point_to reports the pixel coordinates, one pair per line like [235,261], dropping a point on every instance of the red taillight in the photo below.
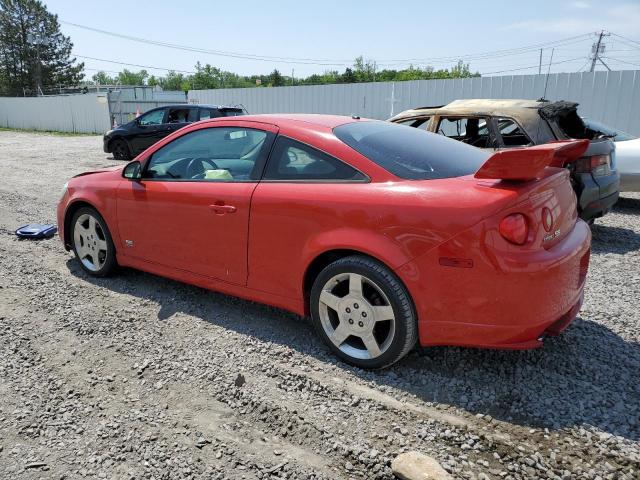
[514,228]
[599,165]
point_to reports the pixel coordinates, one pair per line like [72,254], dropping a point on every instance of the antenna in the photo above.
[546,80]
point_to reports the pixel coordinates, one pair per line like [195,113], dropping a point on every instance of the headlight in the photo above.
[64,190]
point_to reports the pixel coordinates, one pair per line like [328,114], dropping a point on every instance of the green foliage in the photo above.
[207,76]
[33,52]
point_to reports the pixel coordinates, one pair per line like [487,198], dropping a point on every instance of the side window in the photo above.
[211,154]
[178,115]
[471,130]
[511,133]
[193,115]
[415,122]
[152,118]
[292,160]
[207,113]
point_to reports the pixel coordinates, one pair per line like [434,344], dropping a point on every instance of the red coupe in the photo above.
[382,233]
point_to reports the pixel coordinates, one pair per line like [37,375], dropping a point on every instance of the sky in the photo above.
[312,37]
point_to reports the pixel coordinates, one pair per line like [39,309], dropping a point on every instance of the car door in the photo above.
[179,117]
[147,130]
[190,210]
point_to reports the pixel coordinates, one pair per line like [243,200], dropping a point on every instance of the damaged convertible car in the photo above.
[497,124]
[385,235]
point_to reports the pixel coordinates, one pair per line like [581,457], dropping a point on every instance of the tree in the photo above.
[348,76]
[125,77]
[276,79]
[101,78]
[34,54]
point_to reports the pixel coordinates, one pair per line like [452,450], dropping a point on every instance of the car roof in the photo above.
[481,106]
[316,120]
[201,105]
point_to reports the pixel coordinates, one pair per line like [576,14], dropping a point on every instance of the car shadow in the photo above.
[607,239]
[571,381]
[628,205]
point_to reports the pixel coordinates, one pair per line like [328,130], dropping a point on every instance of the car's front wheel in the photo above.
[120,150]
[363,312]
[92,243]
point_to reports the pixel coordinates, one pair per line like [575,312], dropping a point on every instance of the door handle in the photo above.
[221,208]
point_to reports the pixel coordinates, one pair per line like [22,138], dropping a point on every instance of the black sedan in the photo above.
[128,140]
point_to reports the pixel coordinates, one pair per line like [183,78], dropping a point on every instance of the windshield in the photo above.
[616,135]
[411,153]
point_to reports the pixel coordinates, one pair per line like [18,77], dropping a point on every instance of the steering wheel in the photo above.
[195,170]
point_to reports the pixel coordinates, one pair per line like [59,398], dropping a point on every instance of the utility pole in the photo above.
[292,77]
[596,49]
[540,64]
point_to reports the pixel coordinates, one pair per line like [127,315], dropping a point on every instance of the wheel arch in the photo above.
[327,257]
[72,208]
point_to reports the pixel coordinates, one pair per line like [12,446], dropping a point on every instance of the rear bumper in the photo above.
[510,302]
[596,196]
[599,207]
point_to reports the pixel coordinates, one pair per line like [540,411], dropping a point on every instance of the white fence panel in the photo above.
[65,113]
[610,97]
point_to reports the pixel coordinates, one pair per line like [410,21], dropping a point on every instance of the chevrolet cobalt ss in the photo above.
[384,234]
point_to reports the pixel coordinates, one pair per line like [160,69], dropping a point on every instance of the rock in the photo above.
[239,381]
[418,466]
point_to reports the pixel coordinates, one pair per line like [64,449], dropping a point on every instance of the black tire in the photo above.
[105,262]
[120,149]
[406,329]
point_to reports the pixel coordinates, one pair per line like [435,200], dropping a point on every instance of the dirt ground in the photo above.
[139,377]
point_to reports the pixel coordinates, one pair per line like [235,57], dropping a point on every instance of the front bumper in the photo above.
[505,303]
[105,144]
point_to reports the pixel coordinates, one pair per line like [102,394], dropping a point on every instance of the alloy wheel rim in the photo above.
[90,242]
[357,316]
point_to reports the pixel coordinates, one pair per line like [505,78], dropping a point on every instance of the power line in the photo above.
[535,66]
[625,38]
[133,64]
[507,52]
[222,53]
[330,62]
[622,61]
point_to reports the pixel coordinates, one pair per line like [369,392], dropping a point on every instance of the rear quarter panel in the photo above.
[293,223]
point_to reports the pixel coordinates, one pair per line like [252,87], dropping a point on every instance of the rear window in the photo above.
[411,153]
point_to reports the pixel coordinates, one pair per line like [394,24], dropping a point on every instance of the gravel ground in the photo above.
[138,377]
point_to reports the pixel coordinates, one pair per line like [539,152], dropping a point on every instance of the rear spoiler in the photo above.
[524,164]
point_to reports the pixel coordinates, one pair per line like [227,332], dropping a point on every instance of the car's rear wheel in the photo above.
[363,312]
[92,243]
[120,150]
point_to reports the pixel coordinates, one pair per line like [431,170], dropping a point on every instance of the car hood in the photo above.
[114,168]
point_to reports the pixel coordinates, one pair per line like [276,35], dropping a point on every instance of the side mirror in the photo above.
[133,170]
